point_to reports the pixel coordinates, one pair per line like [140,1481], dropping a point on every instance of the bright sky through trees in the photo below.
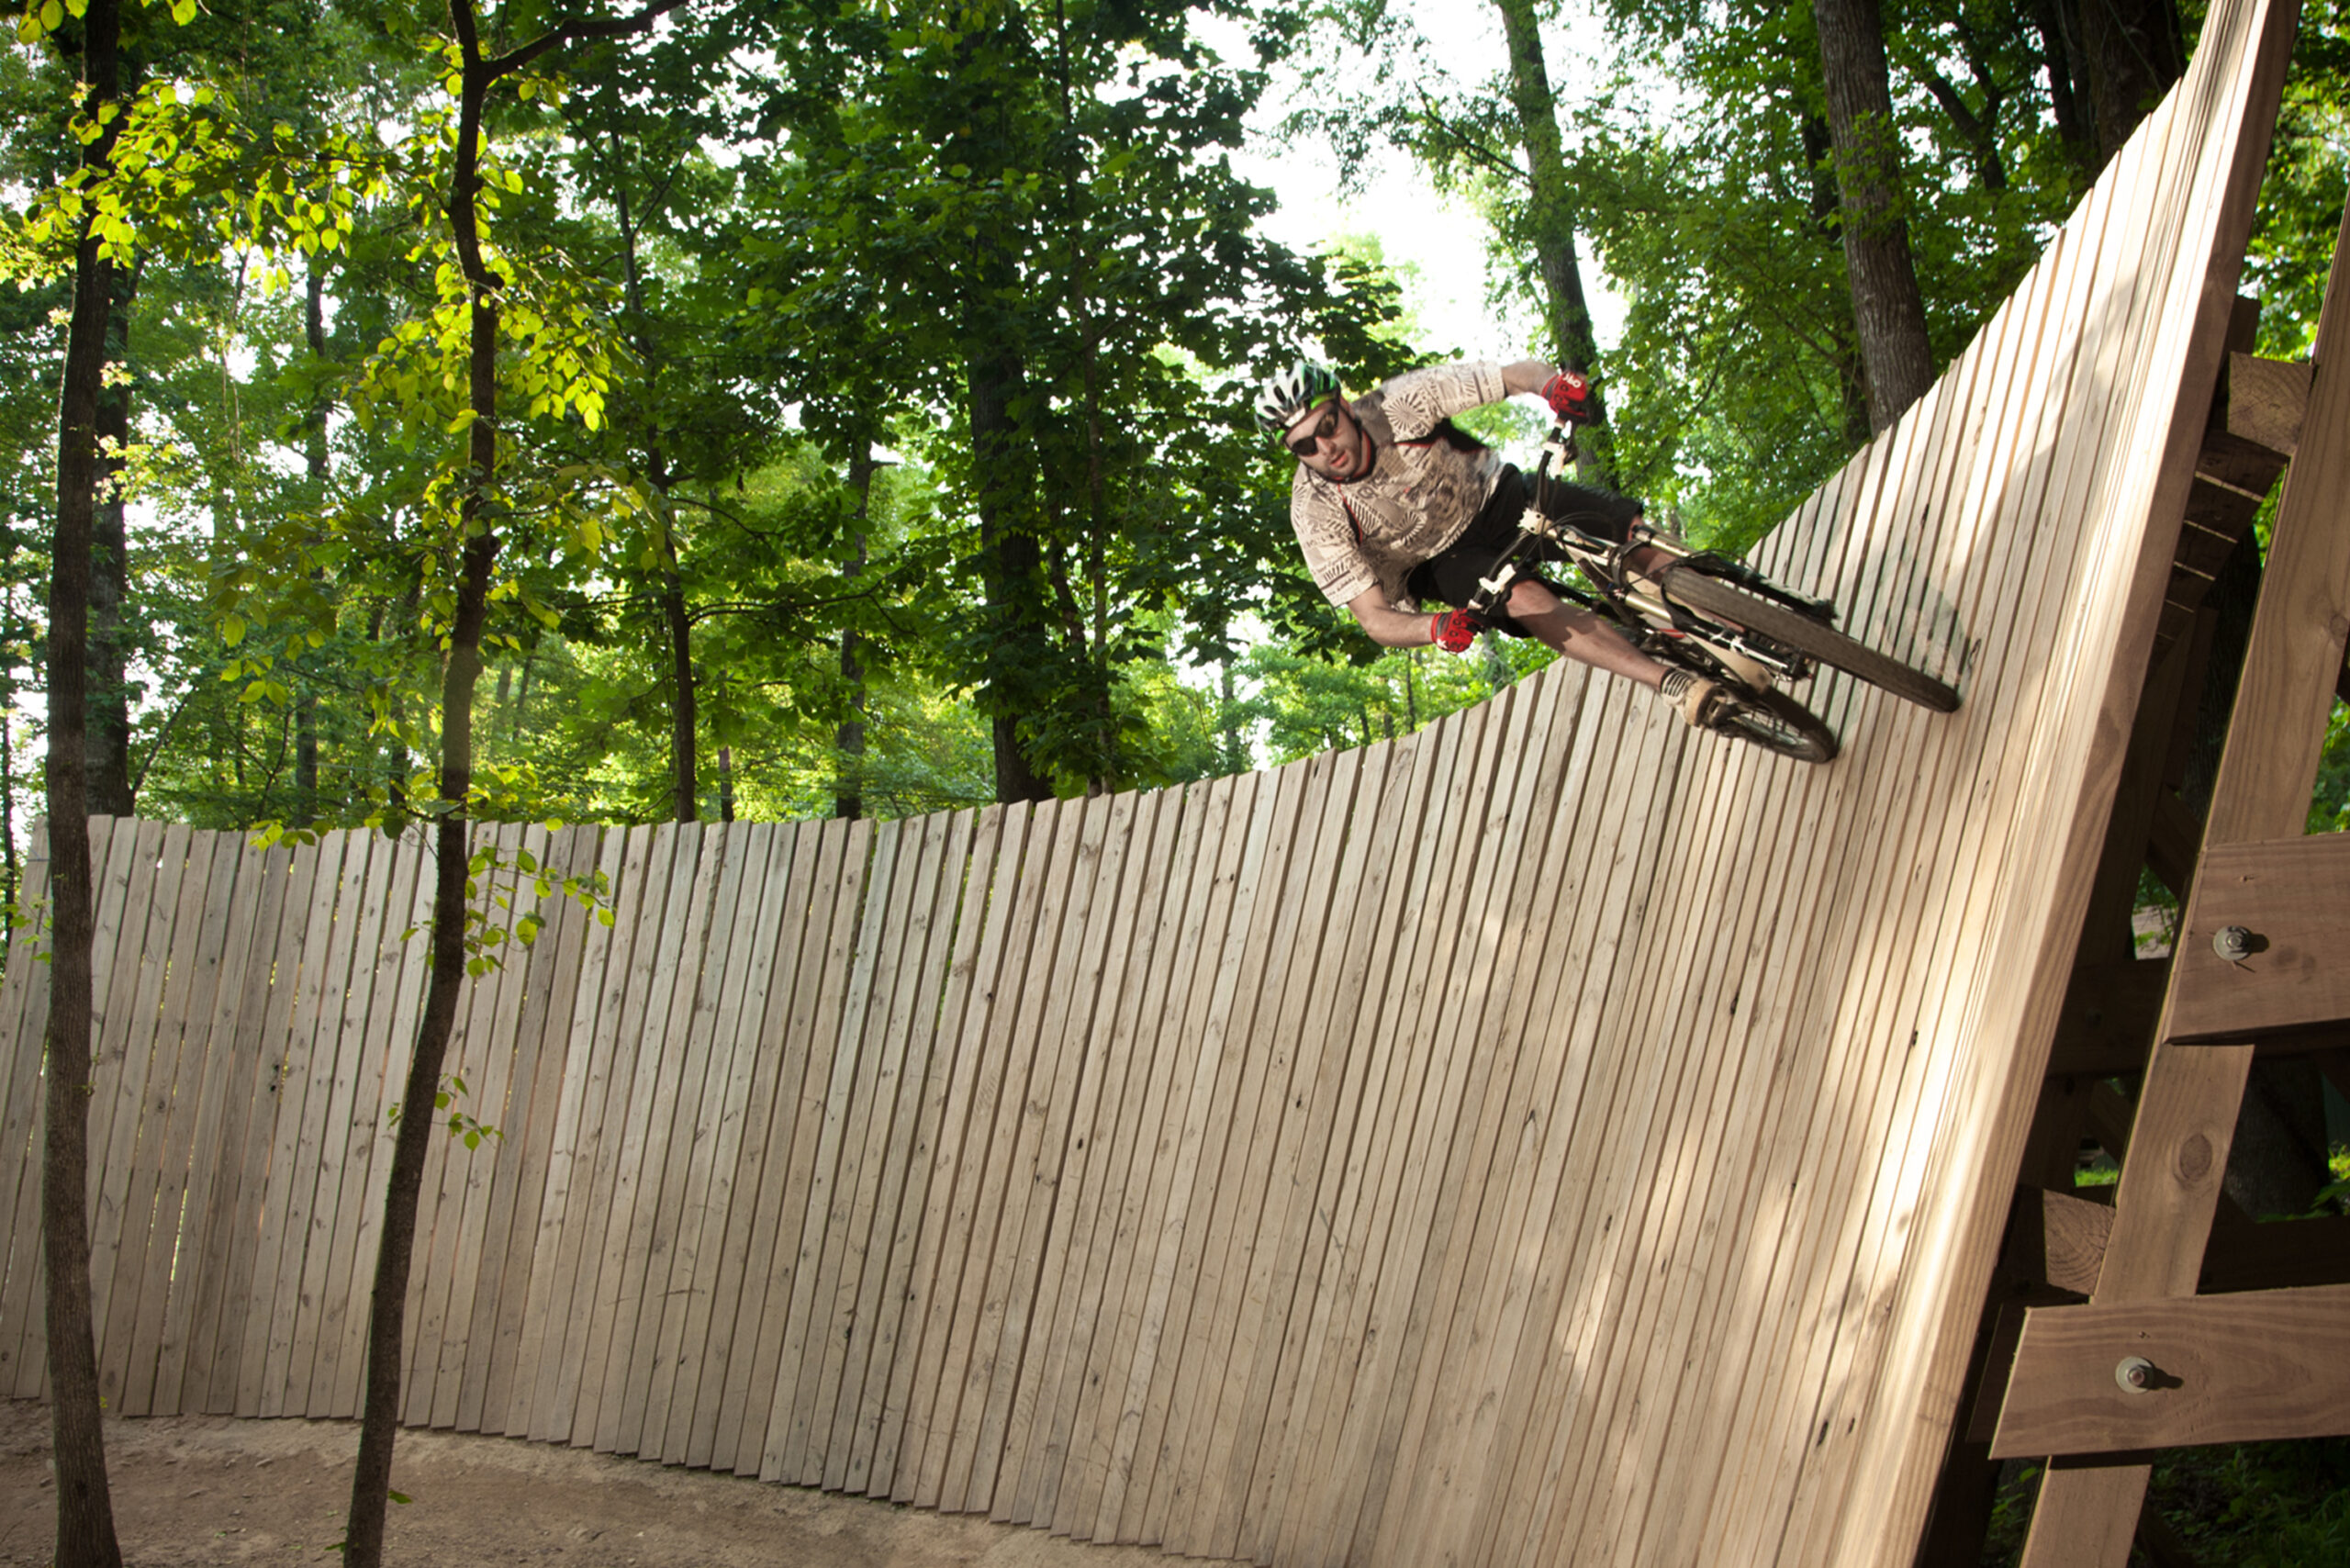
[1437,245]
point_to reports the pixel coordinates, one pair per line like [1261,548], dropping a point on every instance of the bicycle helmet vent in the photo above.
[1288,393]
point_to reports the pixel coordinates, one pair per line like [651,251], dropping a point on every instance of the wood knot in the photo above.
[2195,1160]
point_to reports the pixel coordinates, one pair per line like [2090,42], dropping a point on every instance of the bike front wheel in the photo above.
[1776,722]
[1766,618]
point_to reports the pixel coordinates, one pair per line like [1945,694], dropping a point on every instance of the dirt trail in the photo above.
[210,1490]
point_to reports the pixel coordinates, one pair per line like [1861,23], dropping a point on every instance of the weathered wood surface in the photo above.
[1550,1137]
[2251,1367]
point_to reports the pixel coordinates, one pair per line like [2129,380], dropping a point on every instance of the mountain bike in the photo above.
[1706,613]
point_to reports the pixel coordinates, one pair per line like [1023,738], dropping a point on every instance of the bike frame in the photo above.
[1639,605]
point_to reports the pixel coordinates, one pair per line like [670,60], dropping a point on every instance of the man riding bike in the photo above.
[1393,505]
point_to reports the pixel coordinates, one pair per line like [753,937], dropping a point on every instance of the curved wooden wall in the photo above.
[1550,1138]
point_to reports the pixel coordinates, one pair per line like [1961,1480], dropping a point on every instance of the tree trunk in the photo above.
[2067,68]
[1567,316]
[85,1537]
[379,1417]
[685,765]
[106,744]
[1016,619]
[848,743]
[314,455]
[2134,54]
[1888,313]
[1851,377]
[685,798]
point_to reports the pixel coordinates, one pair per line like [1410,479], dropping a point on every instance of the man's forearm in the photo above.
[1527,375]
[1388,626]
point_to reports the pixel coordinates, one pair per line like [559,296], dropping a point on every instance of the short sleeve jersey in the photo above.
[1419,495]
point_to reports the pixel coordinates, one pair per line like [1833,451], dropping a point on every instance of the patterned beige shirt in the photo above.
[1419,495]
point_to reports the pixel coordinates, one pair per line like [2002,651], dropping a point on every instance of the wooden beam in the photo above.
[2252,1367]
[2290,900]
[2267,399]
[2055,1238]
[2188,1110]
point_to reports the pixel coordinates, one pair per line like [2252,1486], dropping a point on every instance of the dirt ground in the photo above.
[205,1489]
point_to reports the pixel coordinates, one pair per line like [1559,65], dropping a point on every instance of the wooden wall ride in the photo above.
[1550,1137]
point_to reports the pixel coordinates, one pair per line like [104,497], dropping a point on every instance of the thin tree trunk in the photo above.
[848,742]
[685,767]
[387,1306]
[379,1419]
[1888,313]
[314,455]
[85,1537]
[1568,315]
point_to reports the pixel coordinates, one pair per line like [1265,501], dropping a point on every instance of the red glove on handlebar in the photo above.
[1569,395]
[1454,629]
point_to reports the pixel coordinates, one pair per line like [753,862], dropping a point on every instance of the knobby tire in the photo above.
[1776,722]
[1767,618]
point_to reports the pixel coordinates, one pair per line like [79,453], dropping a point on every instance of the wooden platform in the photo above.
[1552,1137]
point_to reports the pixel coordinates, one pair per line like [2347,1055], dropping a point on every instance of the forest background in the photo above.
[898,456]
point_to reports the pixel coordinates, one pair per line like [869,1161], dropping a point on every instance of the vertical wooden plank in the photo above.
[1182,1134]
[922,1106]
[1416,779]
[269,1308]
[999,889]
[699,1144]
[826,1128]
[920,918]
[621,1156]
[196,1151]
[556,1313]
[23,1015]
[910,1406]
[543,1055]
[822,878]
[824,1287]
[1251,1311]
[347,1133]
[1188,839]
[1039,894]
[782,911]
[1070,991]
[217,1363]
[1193,1441]
[119,1221]
[480,1057]
[670,1150]
[1127,890]
[386,984]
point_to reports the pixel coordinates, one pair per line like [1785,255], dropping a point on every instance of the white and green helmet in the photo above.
[1288,393]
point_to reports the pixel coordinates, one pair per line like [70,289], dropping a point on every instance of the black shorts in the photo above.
[1451,577]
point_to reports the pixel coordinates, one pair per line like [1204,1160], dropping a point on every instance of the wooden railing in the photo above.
[1548,1137]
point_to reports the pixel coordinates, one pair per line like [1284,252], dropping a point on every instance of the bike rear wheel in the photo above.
[1766,618]
[1776,722]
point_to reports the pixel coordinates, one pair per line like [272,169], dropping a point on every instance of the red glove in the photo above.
[1569,394]
[1454,629]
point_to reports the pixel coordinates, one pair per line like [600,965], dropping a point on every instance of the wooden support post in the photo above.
[2170,1187]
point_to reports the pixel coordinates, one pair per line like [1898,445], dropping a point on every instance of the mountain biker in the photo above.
[1393,505]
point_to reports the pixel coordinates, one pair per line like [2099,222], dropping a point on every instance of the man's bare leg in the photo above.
[1580,634]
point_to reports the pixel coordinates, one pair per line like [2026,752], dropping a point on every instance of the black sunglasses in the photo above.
[1324,428]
